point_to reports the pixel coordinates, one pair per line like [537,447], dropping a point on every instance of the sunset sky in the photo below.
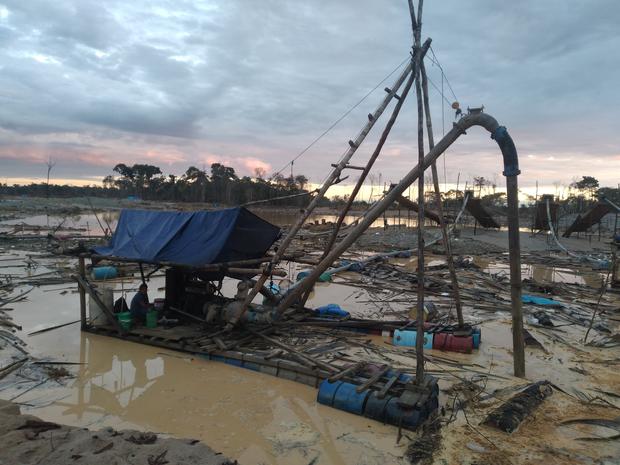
[251,83]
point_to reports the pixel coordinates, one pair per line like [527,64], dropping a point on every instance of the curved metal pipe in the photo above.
[511,171]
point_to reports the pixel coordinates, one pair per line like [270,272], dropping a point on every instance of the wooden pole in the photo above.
[333,177]
[514,251]
[82,271]
[374,156]
[478,119]
[442,222]
[419,371]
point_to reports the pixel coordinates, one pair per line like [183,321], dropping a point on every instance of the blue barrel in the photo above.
[327,391]
[104,272]
[375,407]
[476,336]
[349,400]
[408,338]
[234,361]
[398,416]
[251,366]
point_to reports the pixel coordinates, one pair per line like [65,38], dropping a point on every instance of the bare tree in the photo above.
[50,164]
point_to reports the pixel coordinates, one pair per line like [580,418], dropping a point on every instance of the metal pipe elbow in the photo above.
[500,135]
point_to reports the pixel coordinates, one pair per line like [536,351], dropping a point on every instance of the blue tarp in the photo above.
[532,299]
[190,238]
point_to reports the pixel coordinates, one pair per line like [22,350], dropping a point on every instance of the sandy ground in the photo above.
[538,242]
[25,439]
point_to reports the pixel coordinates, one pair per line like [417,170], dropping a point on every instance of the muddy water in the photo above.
[246,415]
[88,223]
[255,418]
[543,273]
[287,217]
[85,224]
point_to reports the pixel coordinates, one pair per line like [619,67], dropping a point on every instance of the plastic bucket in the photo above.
[125,320]
[408,338]
[151,319]
[104,272]
[476,336]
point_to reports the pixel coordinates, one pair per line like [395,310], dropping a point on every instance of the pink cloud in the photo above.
[245,165]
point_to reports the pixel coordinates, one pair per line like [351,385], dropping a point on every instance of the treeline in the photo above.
[220,186]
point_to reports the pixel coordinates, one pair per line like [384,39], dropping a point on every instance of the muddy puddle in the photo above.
[543,273]
[90,224]
[255,418]
[252,417]
[87,224]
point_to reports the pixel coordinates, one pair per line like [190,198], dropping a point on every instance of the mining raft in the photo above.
[198,250]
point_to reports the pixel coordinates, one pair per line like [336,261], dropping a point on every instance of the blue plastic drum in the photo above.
[349,400]
[375,407]
[327,391]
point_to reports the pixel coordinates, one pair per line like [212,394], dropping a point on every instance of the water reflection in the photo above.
[285,217]
[113,382]
[255,418]
[543,273]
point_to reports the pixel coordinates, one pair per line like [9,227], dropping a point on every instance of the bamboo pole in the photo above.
[82,271]
[332,179]
[458,129]
[514,252]
[442,222]
[419,369]
[376,153]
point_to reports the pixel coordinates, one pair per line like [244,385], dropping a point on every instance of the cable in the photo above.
[345,114]
[436,61]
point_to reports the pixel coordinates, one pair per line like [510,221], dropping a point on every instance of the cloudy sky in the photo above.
[251,83]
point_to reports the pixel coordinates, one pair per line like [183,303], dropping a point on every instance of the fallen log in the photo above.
[509,415]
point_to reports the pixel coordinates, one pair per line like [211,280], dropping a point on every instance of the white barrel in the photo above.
[96,314]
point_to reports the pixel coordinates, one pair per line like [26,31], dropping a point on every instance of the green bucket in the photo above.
[151,319]
[125,320]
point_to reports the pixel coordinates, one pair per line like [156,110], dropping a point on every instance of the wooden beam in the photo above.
[376,153]
[332,179]
[373,379]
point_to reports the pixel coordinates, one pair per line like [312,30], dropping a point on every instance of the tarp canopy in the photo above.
[190,238]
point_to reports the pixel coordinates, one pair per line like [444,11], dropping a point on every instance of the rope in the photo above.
[436,61]
[344,115]
[279,198]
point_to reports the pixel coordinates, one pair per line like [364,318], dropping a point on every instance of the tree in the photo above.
[278,178]
[219,171]
[108,182]
[587,184]
[198,180]
[480,182]
[50,164]
[124,170]
[260,172]
[301,181]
